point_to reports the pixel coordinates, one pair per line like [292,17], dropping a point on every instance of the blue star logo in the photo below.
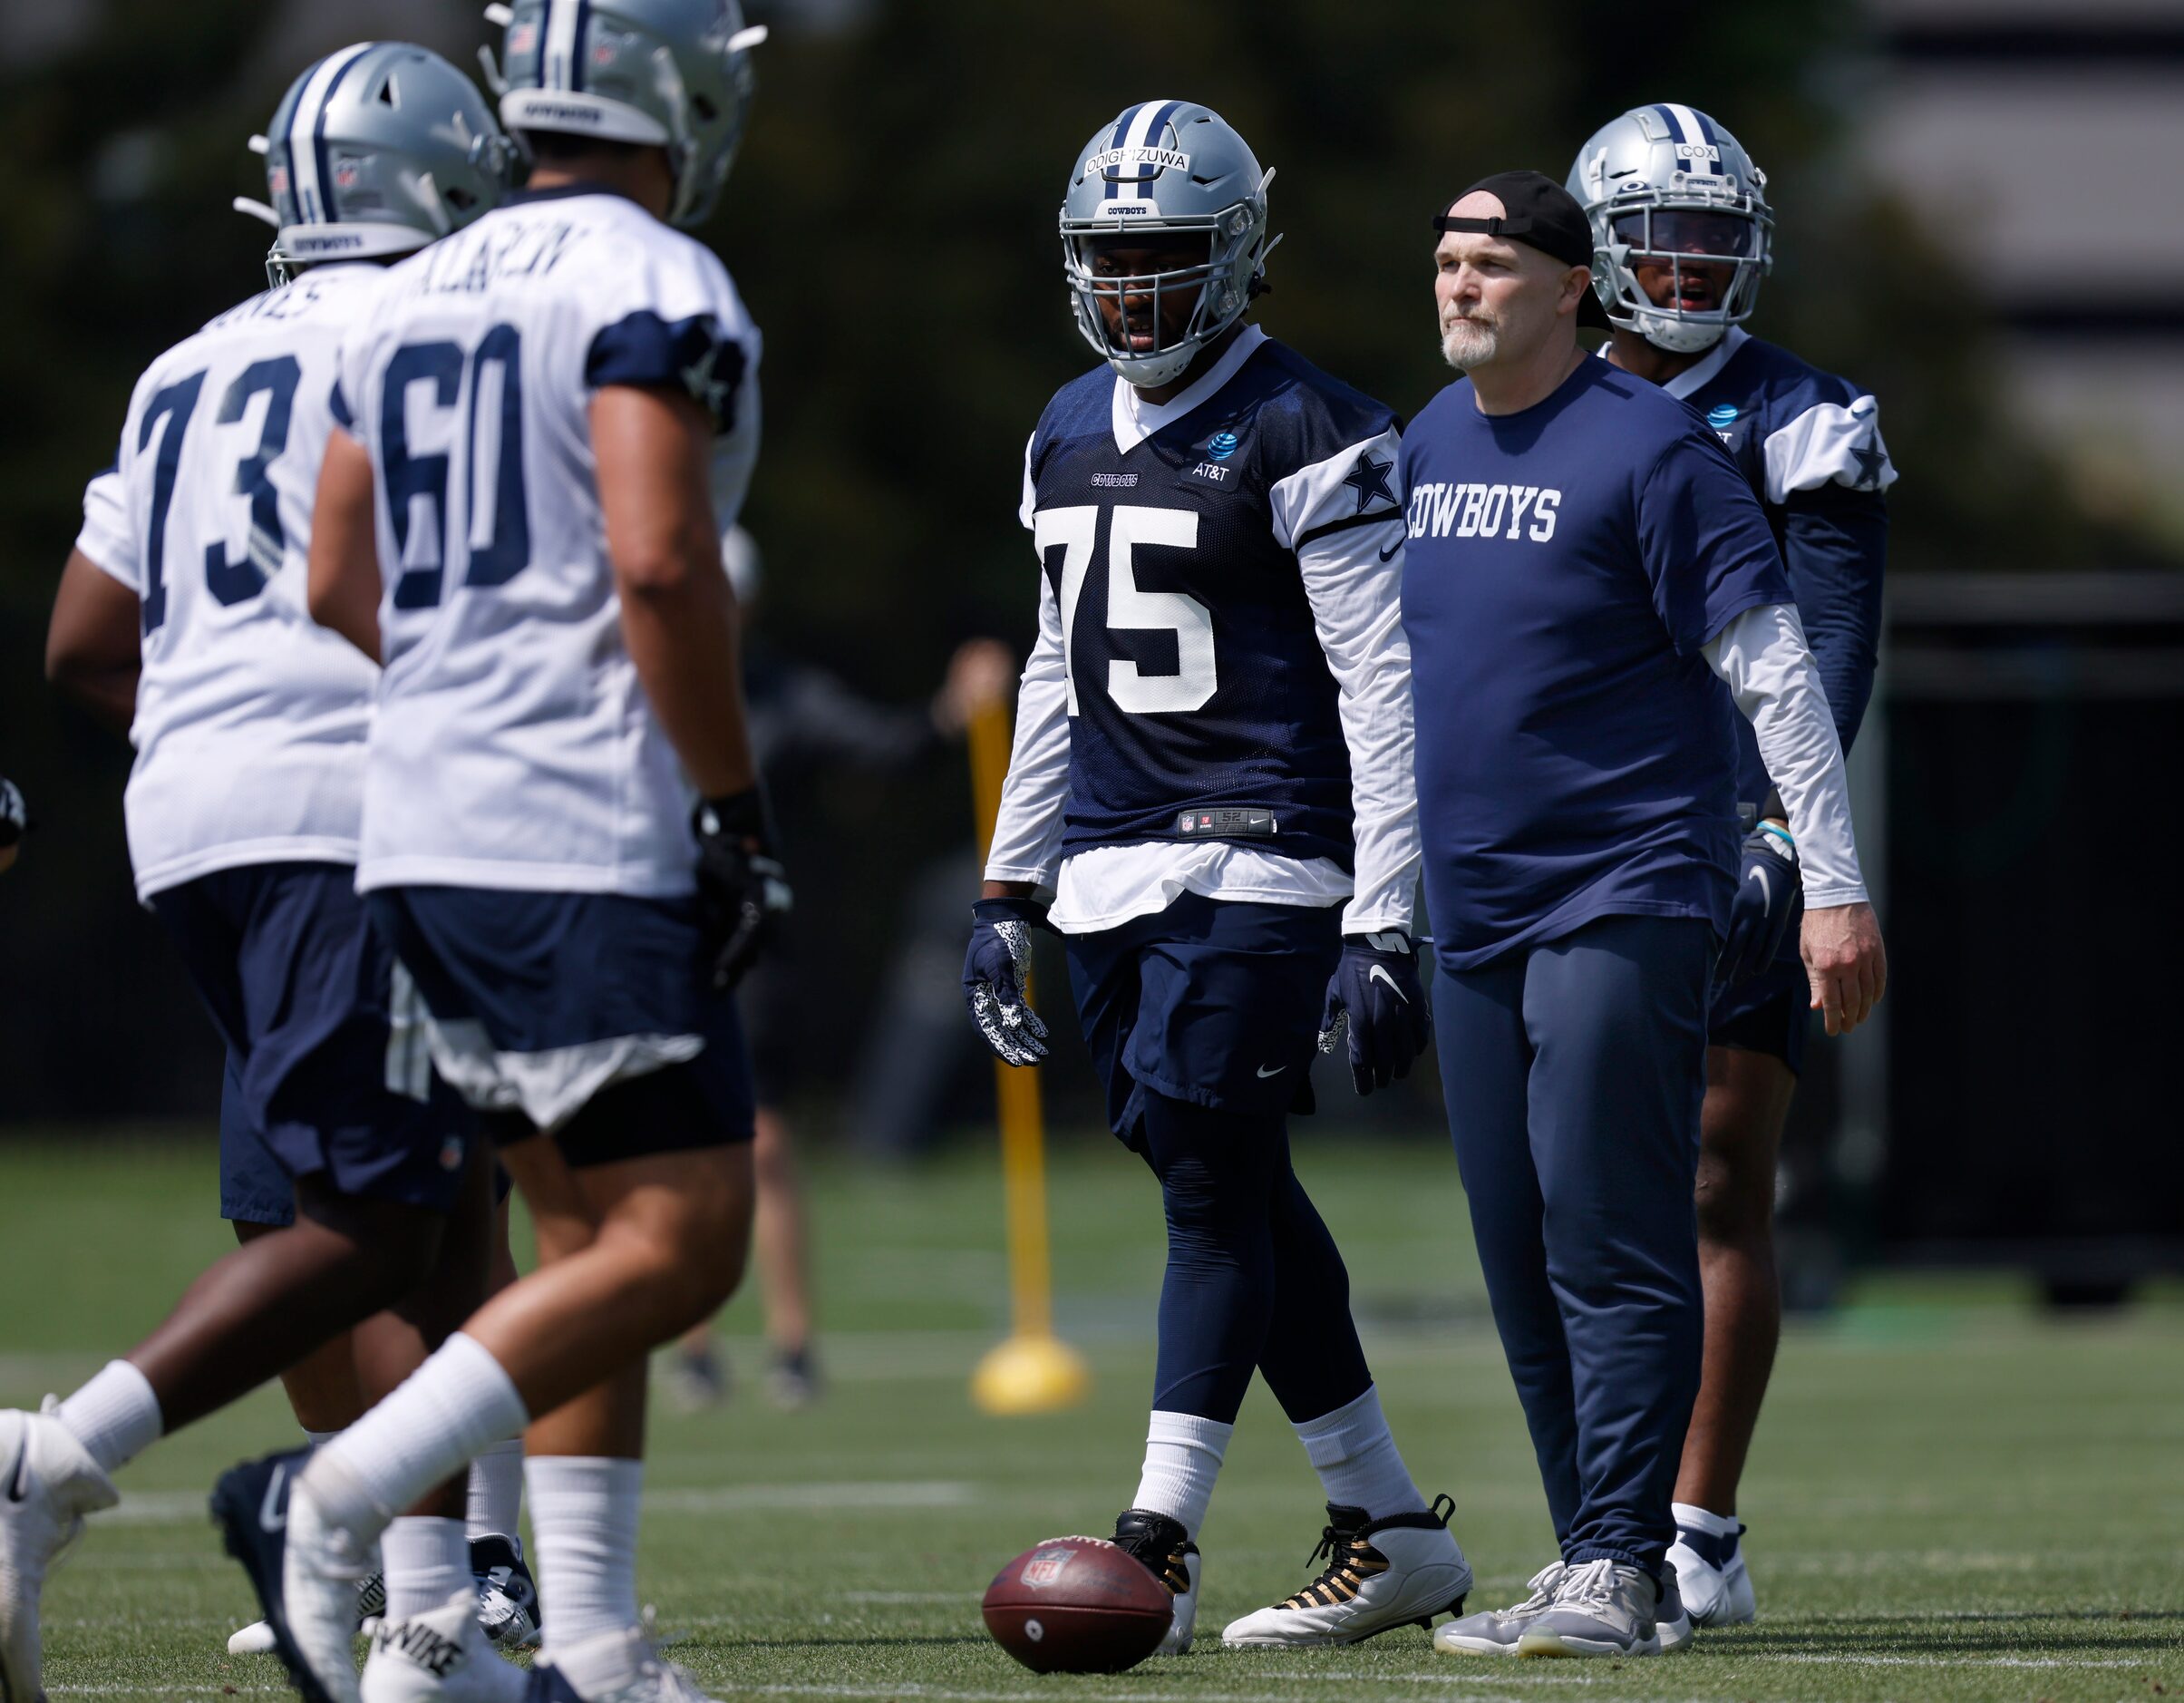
[1871,460]
[1369,478]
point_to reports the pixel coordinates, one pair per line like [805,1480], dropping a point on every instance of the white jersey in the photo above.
[512,746]
[251,720]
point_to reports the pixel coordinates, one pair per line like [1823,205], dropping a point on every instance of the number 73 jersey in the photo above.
[512,744]
[251,720]
[1221,680]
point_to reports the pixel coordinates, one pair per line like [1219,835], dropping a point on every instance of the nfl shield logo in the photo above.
[522,39]
[345,173]
[1045,1567]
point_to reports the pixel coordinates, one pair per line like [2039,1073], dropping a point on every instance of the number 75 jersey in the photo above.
[251,720]
[1220,622]
[512,744]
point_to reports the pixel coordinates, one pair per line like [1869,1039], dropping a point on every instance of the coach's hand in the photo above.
[1846,963]
[13,819]
[742,889]
[1769,898]
[995,971]
[1377,995]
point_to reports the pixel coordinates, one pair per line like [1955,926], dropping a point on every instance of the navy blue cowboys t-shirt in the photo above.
[1577,756]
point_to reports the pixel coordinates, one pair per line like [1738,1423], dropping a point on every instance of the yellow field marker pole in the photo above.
[1033,1372]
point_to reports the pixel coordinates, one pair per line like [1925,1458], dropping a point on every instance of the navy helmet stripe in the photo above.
[1152,139]
[1114,187]
[305,210]
[1675,132]
[575,47]
[318,136]
[1705,126]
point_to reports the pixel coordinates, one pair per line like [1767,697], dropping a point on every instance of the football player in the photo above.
[1682,232]
[563,838]
[180,616]
[1210,798]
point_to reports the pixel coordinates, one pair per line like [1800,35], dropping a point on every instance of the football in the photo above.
[1077,1605]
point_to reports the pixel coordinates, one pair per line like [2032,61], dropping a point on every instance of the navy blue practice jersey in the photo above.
[1809,444]
[1200,699]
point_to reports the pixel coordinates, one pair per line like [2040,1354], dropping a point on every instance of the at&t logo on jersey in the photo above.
[1446,511]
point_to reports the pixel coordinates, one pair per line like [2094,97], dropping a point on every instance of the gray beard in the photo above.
[1468,344]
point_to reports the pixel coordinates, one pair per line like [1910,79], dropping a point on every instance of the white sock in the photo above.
[115,1416]
[1359,1465]
[584,1546]
[497,1490]
[426,1562]
[446,1413]
[319,1439]
[1182,1458]
[1689,1514]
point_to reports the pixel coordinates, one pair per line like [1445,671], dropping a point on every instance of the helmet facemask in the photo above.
[1694,241]
[1219,287]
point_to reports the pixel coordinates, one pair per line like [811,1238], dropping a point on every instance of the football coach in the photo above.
[1591,593]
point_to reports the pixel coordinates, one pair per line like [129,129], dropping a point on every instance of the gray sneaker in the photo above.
[1495,1632]
[1602,1609]
[1671,1619]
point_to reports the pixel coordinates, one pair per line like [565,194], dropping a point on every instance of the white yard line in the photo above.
[188,1507]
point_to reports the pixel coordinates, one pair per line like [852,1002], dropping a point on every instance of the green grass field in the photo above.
[1950,1499]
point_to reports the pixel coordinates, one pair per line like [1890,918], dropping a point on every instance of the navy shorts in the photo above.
[1768,1012]
[1210,1001]
[302,991]
[588,1016]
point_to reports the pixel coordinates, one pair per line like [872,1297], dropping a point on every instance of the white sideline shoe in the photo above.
[1602,1608]
[1381,1575]
[48,1483]
[322,1568]
[1711,1574]
[443,1657]
[1494,1631]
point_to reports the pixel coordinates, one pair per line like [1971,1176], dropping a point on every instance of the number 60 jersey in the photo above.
[251,720]
[512,746]
[1219,702]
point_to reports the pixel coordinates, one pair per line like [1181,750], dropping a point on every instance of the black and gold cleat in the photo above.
[1401,1570]
[1165,1548]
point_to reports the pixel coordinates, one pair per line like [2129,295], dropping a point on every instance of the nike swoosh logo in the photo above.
[1275,1072]
[1389,554]
[1766,886]
[1379,973]
[271,1515]
[18,1481]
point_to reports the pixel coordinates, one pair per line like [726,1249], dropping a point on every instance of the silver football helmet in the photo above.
[376,151]
[1163,168]
[662,73]
[1665,186]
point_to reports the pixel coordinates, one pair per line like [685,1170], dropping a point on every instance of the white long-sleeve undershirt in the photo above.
[1763,657]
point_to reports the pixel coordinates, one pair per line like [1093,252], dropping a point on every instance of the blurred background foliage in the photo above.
[891,225]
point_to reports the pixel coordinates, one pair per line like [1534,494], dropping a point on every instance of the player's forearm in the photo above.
[1763,657]
[343,584]
[679,623]
[91,651]
[1027,834]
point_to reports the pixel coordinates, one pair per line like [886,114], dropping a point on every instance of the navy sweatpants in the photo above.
[1574,1072]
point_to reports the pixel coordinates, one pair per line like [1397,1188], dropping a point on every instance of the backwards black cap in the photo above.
[1542,214]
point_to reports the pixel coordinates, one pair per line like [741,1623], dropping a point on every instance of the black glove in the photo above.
[1377,996]
[994,969]
[14,816]
[1770,898]
[742,889]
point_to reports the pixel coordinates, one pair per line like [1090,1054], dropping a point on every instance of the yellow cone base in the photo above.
[1030,1375]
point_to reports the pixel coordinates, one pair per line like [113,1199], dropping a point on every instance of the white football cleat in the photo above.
[258,1639]
[1401,1571]
[444,1655]
[322,1569]
[1710,1574]
[48,1483]
[254,1640]
[1496,1631]
[1165,1547]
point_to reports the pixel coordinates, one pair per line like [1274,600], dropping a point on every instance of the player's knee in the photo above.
[1735,1194]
